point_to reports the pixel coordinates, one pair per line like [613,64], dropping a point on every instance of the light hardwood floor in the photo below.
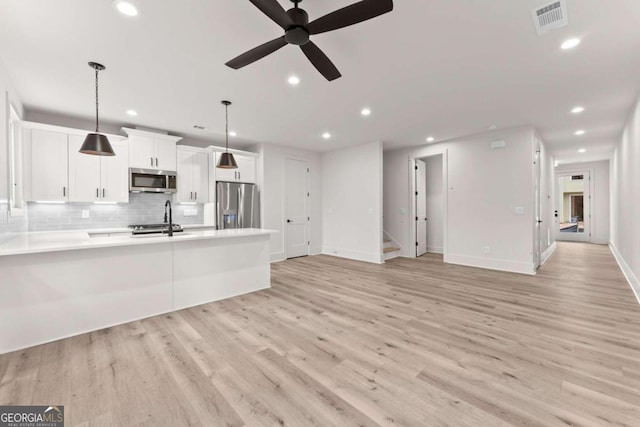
[344,343]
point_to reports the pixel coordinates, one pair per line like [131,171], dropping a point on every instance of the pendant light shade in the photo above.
[226,160]
[95,143]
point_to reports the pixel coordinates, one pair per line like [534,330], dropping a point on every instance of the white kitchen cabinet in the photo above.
[246,171]
[48,166]
[193,175]
[98,178]
[148,150]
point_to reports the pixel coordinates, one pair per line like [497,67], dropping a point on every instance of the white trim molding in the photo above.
[492,264]
[547,253]
[355,255]
[633,281]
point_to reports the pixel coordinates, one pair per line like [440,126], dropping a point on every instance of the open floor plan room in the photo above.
[338,342]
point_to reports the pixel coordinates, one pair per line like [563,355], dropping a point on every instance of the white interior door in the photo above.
[296,208]
[421,207]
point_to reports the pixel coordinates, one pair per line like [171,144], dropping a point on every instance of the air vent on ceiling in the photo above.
[550,16]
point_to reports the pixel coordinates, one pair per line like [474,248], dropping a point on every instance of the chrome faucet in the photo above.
[168,203]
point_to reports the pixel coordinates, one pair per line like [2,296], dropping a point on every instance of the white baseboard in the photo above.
[435,249]
[632,279]
[278,256]
[492,264]
[376,258]
[547,253]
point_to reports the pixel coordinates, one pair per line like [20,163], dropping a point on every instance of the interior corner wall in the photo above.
[625,203]
[485,186]
[271,182]
[435,204]
[8,96]
[352,202]
[600,197]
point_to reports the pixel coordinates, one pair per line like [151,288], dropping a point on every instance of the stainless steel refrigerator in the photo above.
[237,205]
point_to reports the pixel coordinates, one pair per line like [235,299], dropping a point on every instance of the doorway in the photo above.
[429,204]
[573,215]
[296,208]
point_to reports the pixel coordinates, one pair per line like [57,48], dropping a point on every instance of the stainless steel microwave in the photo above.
[152,181]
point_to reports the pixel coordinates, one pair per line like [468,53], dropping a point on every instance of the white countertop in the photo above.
[54,241]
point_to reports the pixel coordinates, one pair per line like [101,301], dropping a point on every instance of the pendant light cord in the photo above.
[226,129]
[97,101]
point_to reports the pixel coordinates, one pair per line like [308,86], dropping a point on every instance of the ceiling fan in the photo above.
[297,29]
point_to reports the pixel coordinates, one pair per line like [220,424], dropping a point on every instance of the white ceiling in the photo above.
[441,67]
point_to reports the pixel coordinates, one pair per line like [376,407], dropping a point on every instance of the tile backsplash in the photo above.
[10,225]
[143,208]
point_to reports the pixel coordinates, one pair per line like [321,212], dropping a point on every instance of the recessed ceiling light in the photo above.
[126,8]
[570,44]
[233,133]
[293,80]
[577,110]
[326,135]
[579,132]
[582,150]
[132,112]
[365,112]
[431,139]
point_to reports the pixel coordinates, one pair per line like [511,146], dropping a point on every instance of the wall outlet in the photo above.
[86,214]
[486,250]
[191,212]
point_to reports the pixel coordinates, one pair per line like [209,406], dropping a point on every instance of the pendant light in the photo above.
[226,159]
[95,143]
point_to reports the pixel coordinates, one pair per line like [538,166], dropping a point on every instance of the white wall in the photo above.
[271,181]
[352,202]
[8,95]
[435,204]
[600,203]
[625,200]
[484,187]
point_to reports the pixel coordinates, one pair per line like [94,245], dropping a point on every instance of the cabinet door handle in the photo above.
[191,195]
[156,162]
[97,192]
[151,158]
[239,177]
[64,191]
[104,192]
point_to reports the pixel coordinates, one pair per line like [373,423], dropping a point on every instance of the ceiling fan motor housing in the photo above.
[297,33]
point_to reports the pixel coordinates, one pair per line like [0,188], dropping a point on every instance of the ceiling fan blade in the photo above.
[257,53]
[273,10]
[320,61]
[349,15]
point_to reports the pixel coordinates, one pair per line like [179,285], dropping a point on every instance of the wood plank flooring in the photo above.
[343,343]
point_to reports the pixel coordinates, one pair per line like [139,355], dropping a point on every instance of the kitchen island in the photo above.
[59,284]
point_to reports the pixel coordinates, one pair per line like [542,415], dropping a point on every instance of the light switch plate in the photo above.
[86,214]
[518,210]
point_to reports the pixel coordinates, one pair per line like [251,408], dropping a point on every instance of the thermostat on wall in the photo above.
[495,145]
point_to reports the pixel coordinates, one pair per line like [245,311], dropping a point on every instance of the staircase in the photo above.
[389,249]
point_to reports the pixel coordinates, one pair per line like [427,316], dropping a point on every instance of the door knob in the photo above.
[288,220]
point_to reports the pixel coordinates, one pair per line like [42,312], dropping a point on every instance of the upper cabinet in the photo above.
[148,150]
[54,170]
[193,175]
[47,163]
[246,171]
[98,178]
